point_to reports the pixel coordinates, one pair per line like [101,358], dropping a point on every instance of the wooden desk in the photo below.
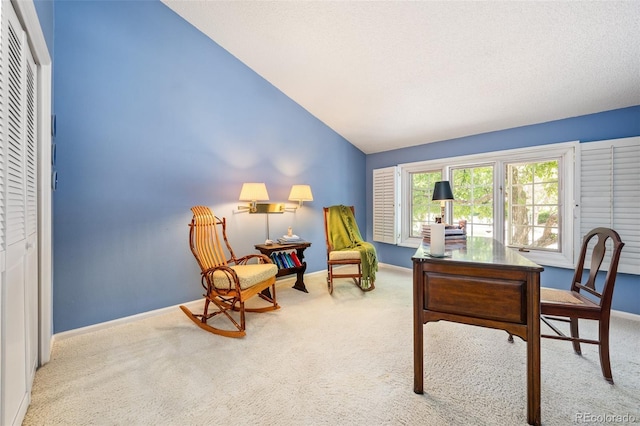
[483,284]
[299,248]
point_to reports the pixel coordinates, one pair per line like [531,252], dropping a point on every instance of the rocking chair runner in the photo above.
[227,286]
[346,248]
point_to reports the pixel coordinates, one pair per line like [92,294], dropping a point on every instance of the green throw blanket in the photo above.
[345,235]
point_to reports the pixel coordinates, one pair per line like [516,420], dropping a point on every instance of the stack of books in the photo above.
[285,260]
[290,239]
[452,234]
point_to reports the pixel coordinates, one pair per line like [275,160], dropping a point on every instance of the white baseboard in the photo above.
[196,303]
[625,315]
[123,320]
[396,267]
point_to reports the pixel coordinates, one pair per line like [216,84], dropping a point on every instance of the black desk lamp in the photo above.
[442,192]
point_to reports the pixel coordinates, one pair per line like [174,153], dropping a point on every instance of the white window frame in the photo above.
[405,171]
[408,207]
[566,151]
[498,177]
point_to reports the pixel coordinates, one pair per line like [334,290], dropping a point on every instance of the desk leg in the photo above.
[418,326]
[533,350]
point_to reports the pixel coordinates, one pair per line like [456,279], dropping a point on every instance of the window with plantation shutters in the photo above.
[384,205]
[610,194]
[523,197]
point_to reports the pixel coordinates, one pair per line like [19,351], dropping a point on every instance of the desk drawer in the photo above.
[489,298]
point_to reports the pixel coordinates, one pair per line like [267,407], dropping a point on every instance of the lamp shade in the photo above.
[442,191]
[300,193]
[254,192]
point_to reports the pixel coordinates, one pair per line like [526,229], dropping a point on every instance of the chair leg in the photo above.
[605,363]
[275,302]
[372,285]
[201,321]
[205,311]
[576,335]
[242,324]
[268,294]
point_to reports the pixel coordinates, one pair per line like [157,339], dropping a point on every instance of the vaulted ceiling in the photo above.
[392,74]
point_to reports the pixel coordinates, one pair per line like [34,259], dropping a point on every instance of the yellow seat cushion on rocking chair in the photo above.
[344,255]
[248,275]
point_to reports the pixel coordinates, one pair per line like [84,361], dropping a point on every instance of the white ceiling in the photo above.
[391,74]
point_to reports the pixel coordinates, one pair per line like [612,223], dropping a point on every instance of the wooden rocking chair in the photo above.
[345,251]
[227,286]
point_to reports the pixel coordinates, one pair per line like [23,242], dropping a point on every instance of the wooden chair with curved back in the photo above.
[345,248]
[590,299]
[228,283]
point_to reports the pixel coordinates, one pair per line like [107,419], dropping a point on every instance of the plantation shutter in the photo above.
[384,205]
[610,194]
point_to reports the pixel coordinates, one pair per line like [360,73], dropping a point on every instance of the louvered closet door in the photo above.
[19,294]
[3,139]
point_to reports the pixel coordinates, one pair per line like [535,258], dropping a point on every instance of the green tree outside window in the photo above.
[473,193]
[533,205]
[423,210]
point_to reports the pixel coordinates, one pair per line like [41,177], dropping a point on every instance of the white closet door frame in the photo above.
[26,12]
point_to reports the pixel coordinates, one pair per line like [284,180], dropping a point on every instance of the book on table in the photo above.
[283,262]
[290,239]
[289,260]
[276,260]
[295,258]
[453,234]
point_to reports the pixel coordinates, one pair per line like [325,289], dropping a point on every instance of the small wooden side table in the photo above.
[299,248]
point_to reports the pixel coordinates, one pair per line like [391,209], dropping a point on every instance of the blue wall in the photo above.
[44,9]
[606,125]
[152,118]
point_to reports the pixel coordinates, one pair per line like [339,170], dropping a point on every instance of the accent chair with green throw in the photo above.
[348,255]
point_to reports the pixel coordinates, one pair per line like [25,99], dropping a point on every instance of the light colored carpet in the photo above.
[345,359]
